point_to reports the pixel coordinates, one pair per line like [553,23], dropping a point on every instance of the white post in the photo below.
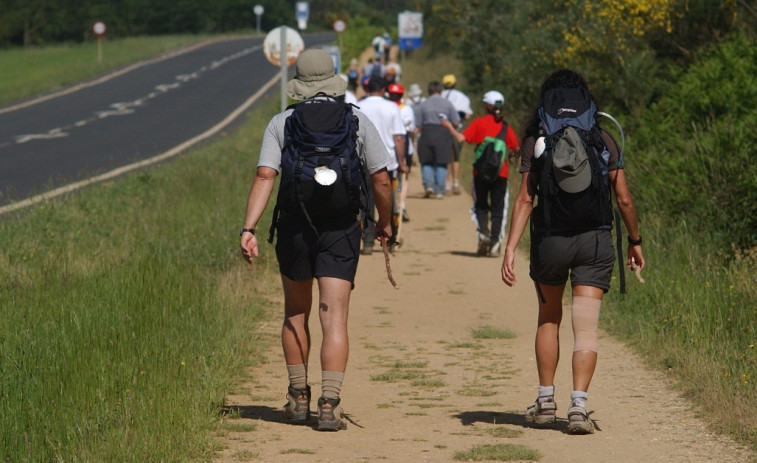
[283,52]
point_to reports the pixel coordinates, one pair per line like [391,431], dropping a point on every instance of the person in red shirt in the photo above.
[489,198]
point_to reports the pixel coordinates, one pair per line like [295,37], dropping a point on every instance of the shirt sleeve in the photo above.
[472,133]
[273,142]
[511,140]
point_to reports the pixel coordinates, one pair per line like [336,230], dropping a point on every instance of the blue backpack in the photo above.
[322,175]
[568,124]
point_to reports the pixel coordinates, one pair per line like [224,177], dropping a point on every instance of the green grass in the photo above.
[30,71]
[490,332]
[126,313]
[498,452]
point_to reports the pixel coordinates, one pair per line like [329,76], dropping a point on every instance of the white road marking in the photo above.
[146,162]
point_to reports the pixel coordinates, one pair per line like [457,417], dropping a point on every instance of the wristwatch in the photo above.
[243,230]
[634,242]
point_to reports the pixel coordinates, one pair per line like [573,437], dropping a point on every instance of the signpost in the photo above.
[258,10]
[99,29]
[302,12]
[282,46]
[339,27]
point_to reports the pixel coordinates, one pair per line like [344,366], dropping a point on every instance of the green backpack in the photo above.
[491,154]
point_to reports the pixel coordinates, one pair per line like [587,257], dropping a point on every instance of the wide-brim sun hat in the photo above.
[570,163]
[494,98]
[314,74]
[449,80]
[415,91]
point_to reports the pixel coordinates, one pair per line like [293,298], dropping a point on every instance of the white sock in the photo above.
[579,398]
[546,392]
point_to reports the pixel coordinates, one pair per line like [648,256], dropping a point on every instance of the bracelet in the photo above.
[242,231]
[634,242]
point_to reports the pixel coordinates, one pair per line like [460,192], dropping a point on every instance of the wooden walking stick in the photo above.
[384,247]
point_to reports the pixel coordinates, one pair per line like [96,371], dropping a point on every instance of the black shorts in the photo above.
[587,257]
[303,254]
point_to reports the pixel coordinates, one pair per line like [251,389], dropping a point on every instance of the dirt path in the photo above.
[420,387]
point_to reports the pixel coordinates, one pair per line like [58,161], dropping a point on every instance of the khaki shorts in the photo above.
[587,258]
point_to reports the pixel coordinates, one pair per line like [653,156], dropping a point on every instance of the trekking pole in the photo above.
[388,264]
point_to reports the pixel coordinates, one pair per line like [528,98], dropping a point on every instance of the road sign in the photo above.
[339,26]
[258,10]
[99,28]
[336,55]
[410,30]
[272,46]
[302,12]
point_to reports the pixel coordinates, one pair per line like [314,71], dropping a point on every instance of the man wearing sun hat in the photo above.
[489,198]
[462,104]
[313,249]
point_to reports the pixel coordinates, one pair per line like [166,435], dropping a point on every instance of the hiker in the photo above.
[353,75]
[386,116]
[570,233]
[434,143]
[489,192]
[414,95]
[315,239]
[462,105]
[395,92]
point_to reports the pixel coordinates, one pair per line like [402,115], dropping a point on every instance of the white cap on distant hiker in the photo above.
[494,98]
[314,74]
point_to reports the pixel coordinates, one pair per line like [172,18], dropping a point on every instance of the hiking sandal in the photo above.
[541,412]
[579,421]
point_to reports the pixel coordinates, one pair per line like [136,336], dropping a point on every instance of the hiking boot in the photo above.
[440,196]
[367,250]
[483,244]
[494,248]
[579,421]
[330,415]
[542,412]
[456,190]
[428,193]
[405,217]
[297,407]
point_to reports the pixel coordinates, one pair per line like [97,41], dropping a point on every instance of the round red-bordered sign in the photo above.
[99,28]
[339,26]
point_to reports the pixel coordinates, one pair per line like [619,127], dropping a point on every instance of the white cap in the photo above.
[493,97]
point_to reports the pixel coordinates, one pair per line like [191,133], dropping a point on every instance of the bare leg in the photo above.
[584,361]
[333,310]
[295,332]
[548,333]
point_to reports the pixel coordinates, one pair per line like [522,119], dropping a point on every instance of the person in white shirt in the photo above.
[386,116]
[395,93]
[461,102]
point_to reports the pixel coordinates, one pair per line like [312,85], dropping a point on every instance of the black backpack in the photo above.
[568,123]
[322,176]
[491,155]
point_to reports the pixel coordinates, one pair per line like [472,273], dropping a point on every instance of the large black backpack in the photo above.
[568,121]
[322,176]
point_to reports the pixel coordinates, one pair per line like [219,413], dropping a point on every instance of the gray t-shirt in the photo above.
[369,145]
[427,113]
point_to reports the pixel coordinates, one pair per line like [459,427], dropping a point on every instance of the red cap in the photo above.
[396,88]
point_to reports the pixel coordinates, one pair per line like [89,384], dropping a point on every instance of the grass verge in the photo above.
[126,313]
[30,71]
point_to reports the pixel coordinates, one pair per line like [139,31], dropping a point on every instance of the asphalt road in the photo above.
[138,115]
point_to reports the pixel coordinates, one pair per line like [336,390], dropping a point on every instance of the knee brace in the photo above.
[585,315]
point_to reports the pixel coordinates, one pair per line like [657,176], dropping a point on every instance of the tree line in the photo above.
[40,22]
